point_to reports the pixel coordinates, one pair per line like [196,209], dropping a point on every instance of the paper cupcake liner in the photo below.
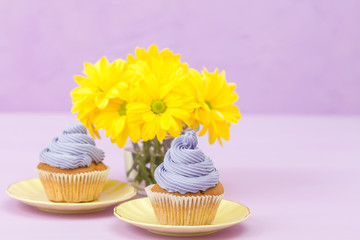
[80,187]
[184,210]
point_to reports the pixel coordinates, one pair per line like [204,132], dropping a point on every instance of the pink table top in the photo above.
[299,175]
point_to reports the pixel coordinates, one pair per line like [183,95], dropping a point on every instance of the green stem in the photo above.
[147,157]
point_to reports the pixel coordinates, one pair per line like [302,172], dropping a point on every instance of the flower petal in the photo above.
[101,101]
[165,121]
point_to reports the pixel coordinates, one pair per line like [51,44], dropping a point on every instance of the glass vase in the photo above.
[141,161]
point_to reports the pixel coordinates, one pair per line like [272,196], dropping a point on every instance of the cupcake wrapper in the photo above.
[184,210]
[80,187]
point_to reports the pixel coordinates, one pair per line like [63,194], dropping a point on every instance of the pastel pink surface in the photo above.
[298,175]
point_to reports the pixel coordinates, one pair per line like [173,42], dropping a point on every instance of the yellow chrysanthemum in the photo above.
[113,118]
[86,112]
[151,95]
[158,107]
[102,83]
[215,98]
[152,65]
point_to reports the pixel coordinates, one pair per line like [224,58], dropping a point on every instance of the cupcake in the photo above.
[188,190]
[71,168]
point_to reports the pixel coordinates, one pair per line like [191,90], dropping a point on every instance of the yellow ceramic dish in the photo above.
[32,193]
[139,212]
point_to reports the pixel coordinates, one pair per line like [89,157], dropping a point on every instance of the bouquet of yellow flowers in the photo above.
[150,97]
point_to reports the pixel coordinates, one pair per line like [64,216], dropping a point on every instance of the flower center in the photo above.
[158,106]
[209,104]
[122,109]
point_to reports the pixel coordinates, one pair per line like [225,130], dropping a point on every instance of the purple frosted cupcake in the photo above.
[188,190]
[71,168]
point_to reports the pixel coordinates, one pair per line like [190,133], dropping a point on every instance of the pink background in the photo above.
[299,57]
[298,174]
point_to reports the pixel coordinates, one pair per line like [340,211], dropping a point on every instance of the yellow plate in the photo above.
[139,212]
[32,193]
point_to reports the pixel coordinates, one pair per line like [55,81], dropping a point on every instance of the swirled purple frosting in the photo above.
[72,149]
[185,167]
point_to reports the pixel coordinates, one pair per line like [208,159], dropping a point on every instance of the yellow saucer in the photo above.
[32,193]
[139,212]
